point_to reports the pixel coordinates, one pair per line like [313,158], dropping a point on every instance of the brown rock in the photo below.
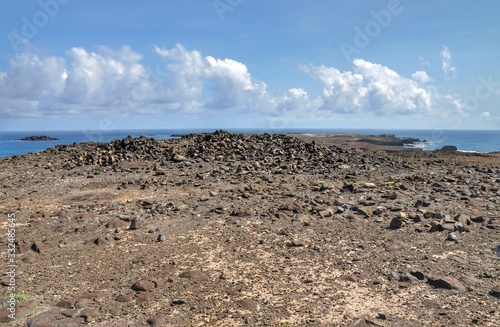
[242,213]
[471,281]
[40,247]
[4,315]
[178,158]
[297,243]
[394,247]
[143,285]
[247,304]
[53,318]
[67,303]
[124,298]
[22,247]
[365,211]
[449,283]
[190,274]
[116,223]
[349,278]
[101,241]
[158,320]
[436,226]
[144,296]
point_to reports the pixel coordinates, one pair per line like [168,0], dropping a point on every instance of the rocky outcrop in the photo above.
[390,140]
[38,138]
[449,148]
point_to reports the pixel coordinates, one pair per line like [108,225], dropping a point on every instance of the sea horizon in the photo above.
[466,140]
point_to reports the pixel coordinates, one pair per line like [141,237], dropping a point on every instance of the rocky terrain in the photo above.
[251,230]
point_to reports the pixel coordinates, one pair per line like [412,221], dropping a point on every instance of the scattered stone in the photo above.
[471,281]
[496,250]
[436,226]
[418,275]
[54,318]
[203,200]
[449,283]
[158,320]
[143,285]
[133,225]
[178,158]
[101,241]
[349,278]
[40,247]
[326,213]
[478,219]
[242,213]
[247,304]
[432,304]
[452,237]
[178,302]
[296,243]
[396,223]
[142,297]
[365,211]
[394,247]
[190,274]
[495,291]
[124,298]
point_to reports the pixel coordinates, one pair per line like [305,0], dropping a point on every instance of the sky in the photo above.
[396,64]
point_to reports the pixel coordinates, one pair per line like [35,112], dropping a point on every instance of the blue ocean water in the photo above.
[464,140]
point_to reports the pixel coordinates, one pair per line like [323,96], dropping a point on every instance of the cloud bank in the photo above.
[111,82]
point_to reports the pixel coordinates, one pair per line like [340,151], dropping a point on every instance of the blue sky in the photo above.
[75,64]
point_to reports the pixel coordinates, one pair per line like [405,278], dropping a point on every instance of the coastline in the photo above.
[386,142]
[466,141]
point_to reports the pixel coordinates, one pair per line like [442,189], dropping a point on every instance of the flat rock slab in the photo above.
[54,318]
[449,283]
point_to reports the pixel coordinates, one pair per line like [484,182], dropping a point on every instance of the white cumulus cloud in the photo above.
[446,67]
[115,82]
[370,87]
[229,83]
[421,77]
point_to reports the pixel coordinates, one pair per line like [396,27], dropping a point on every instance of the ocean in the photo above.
[464,140]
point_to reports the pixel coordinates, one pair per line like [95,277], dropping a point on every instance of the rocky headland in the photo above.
[251,230]
[38,138]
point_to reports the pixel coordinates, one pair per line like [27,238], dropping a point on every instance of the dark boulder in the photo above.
[449,148]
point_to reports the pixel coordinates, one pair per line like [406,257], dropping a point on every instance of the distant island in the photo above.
[38,138]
